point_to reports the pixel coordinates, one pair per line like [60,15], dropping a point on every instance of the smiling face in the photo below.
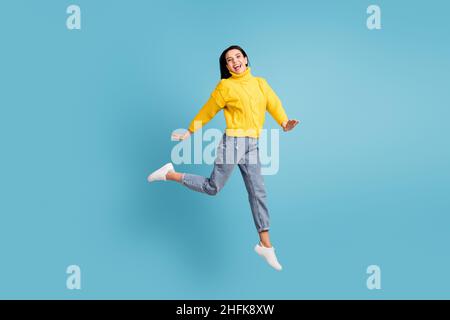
[236,62]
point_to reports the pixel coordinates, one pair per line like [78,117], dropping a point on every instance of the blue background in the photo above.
[87,114]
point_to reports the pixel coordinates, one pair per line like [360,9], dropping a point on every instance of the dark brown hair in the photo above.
[224,73]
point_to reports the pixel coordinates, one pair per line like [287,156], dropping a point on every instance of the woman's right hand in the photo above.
[181,136]
[289,124]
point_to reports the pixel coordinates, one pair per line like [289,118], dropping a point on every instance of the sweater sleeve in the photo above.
[215,103]
[274,105]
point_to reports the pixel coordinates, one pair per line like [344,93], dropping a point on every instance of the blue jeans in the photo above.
[244,152]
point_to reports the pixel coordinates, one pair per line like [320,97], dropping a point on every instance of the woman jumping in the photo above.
[244,99]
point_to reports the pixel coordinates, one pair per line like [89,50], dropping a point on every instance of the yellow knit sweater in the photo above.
[244,99]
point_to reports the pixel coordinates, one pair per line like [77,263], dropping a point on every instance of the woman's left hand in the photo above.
[289,124]
[180,136]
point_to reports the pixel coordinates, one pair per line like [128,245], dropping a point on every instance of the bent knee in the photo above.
[212,190]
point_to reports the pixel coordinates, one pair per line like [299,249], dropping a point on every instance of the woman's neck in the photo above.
[241,76]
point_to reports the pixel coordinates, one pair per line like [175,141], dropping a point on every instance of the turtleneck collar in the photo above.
[241,76]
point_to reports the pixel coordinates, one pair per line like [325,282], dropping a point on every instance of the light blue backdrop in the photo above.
[87,114]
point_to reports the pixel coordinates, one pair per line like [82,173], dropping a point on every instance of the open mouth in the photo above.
[237,67]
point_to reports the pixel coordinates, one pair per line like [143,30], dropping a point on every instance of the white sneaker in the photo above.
[160,174]
[269,255]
